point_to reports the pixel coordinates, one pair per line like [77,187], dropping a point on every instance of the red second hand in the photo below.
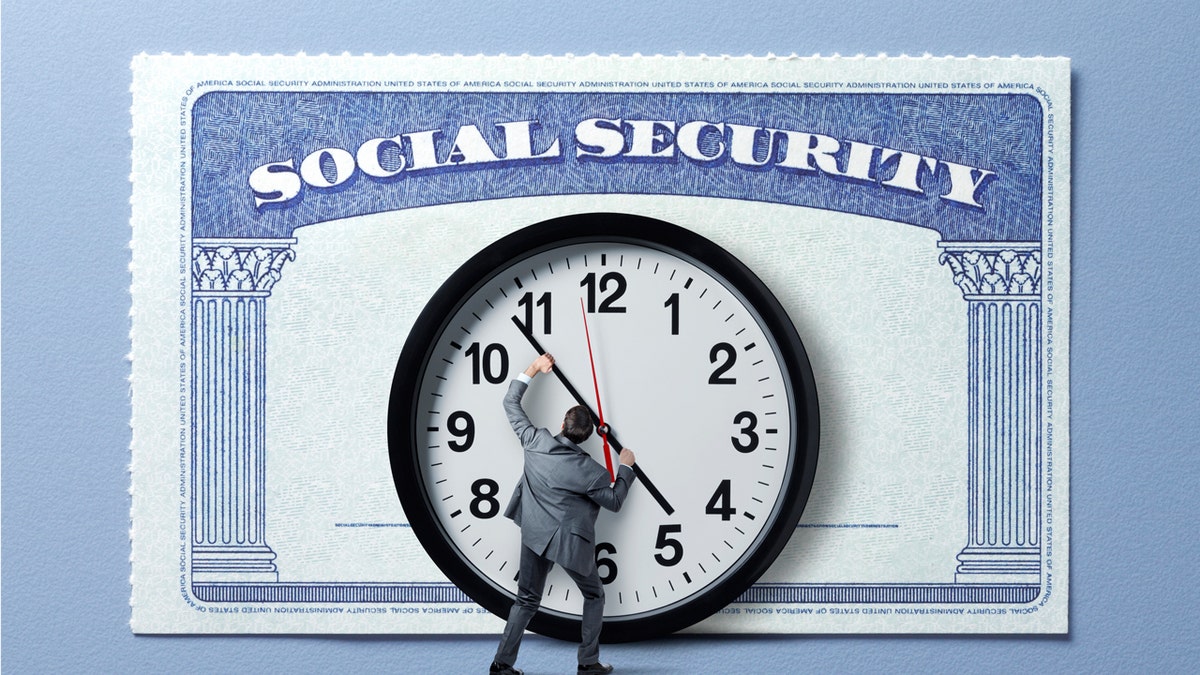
[596,384]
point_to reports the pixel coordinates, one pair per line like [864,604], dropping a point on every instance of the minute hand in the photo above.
[650,487]
[557,372]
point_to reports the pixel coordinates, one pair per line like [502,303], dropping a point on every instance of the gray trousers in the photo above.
[530,582]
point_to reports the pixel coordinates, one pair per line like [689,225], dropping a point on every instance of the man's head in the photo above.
[577,424]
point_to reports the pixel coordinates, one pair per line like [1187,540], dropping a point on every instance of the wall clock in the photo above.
[699,370]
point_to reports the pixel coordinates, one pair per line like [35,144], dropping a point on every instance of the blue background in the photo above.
[65,212]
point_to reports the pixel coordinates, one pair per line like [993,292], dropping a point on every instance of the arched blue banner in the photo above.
[968,166]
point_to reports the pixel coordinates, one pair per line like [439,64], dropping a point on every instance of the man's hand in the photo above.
[627,457]
[542,364]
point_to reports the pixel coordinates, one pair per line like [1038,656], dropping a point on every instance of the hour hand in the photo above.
[645,480]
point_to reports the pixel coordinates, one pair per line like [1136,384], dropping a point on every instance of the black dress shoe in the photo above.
[595,668]
[498,668]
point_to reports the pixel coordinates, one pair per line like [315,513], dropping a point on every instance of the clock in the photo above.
[692,363]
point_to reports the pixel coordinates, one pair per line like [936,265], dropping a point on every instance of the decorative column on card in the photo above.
[1001,282]
[231,280]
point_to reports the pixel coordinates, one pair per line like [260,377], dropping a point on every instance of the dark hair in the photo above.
[577,424]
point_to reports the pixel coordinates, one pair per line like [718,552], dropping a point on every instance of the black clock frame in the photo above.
[482,269]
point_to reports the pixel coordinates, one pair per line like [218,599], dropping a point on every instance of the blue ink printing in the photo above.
[621,140]
[967,166]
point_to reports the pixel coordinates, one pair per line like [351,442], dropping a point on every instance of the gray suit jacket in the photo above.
[560,493]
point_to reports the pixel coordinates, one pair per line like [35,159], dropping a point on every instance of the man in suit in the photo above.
[556,504]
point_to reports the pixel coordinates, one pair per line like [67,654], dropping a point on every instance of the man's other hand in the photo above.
[627,457]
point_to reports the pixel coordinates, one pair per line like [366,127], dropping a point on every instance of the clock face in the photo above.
[699,372]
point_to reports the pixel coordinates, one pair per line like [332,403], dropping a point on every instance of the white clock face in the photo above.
[690,377]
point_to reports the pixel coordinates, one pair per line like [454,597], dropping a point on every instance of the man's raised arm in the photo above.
[517,417]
